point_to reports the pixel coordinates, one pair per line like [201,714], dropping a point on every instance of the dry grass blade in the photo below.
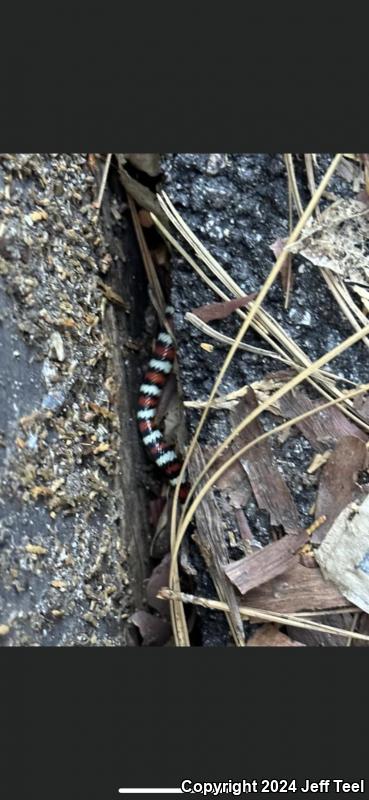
[247,612]
[353,626]
[309,164]
[288,160]
[221,337]
[157,296]
[103,184]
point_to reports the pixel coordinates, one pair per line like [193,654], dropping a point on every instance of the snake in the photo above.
[159,368]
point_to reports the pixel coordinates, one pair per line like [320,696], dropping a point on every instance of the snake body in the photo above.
[159,369]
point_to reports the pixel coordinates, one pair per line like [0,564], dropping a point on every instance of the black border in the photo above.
[80,723]
[203,79]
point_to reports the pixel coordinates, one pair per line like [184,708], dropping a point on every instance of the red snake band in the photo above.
[159,369]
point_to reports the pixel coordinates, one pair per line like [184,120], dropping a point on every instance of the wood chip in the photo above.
[260,567]
[318,461]
[35,549]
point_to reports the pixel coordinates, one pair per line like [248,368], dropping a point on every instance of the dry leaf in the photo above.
[153,630]
[213,311]
[339,241]
[322,429]
[159,578]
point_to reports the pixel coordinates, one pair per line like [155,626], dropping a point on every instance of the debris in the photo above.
[318,461]
[59,585]
[36,549]
[326,638]
[337,482]
[338,241]
[267,563]
[344,554]
[111,295]
[140,193]
[269,636]
[248,540]
[211,540]
[56,344]
[322,429]
[145,162]
[159,578]
[212,311]
[268,485]
[4,630]
[154,631]
[298,588]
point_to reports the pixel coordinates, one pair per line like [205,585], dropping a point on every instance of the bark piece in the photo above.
[210,536]
[272,560]
[297,589]
[268,485]
[322,429]
[337,482]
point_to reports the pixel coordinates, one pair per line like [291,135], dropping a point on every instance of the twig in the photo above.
[352,629]
[103,184]
[247,612]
